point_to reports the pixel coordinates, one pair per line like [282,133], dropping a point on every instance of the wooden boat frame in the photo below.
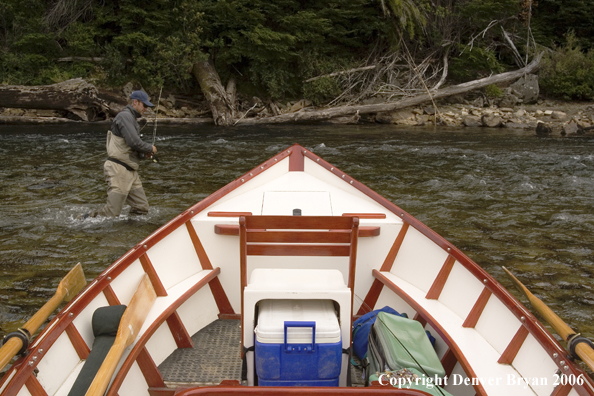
[22,374]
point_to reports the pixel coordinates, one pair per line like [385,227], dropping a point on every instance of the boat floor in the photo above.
[216,356]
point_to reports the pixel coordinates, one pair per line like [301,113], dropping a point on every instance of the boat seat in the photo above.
[471,348]
[308,237]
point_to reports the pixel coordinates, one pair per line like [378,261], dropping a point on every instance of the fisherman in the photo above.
[125,149]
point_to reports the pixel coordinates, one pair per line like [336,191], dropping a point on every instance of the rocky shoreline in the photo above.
[545,117]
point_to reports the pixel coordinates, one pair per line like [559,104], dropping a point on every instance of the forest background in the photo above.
[329,52]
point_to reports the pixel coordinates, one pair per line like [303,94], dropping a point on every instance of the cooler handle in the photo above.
[290,323]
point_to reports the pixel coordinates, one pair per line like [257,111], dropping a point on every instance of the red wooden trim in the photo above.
[389,261]
[298,250]
[508,356]
[298,236]
[233,230]
[561,390]
[149,369]
[371,298]
[369,231]
[179,331]
[140,344]
[111,297]
[166,391]
[366,215]
[34,387]
[226,389]
[230,316]
[477,309]
[229,214]
[420,319]
[226,229]
[202,256]
[153,276]
[220,297]
[448,361]
[298,222]
[296,159]
[438,328]
[79,344]
[440,281]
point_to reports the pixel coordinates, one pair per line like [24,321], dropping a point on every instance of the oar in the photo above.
[582,349]
[69,287]
[130,325]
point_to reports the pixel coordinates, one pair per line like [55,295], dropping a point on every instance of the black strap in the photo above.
[573,340]
[21,333]
[244,362]
[125,165]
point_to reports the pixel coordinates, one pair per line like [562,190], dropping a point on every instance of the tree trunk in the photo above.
[75,96]
[214,92]
[341,111]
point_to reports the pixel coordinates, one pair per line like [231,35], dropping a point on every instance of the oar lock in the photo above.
[572,342]
[23,334]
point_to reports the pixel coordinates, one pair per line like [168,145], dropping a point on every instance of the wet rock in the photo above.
[429,110]
[571,128]
[509,100]
[479,102]
[403,117]
[543,129]
[491,120]
[526,88]
[472,121]
[558,115]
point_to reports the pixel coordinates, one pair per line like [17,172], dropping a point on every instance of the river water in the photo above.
[506,198]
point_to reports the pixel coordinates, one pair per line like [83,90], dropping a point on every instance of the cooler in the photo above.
[298,343]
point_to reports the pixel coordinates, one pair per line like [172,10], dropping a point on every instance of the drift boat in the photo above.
[254,290]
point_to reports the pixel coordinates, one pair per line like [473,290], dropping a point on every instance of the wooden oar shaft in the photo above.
[9,350]
[103,377]
[584,351]
[72,283]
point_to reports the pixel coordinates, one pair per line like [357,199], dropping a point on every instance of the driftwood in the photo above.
[214,92]
[342,111]
[75,96]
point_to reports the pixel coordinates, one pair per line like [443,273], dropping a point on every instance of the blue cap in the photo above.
[143,97]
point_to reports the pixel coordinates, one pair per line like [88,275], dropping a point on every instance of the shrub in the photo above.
[568,72]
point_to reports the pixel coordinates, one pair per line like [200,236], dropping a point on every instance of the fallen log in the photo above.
[75,96]
[304,116]
[214,92]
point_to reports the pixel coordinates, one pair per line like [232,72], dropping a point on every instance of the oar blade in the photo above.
[128,330]
[72,283]
[138,309]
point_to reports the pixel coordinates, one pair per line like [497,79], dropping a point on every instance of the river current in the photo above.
[504,197]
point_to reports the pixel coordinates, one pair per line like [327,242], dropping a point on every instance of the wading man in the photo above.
[125,149]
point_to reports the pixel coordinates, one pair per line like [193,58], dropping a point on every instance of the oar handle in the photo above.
[9,350]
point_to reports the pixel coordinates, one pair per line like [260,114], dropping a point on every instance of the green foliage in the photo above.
[272,45]
[493,91]
[568,72]
[553,19]
[474,63]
